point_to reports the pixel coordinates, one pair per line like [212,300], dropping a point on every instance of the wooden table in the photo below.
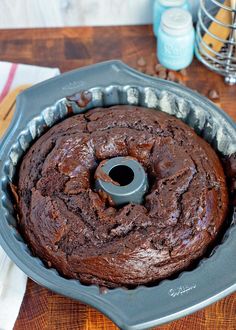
[69,48]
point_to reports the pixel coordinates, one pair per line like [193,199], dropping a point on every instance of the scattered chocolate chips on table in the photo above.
[161,72]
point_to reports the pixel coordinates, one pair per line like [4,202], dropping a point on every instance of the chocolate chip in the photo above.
[162,74]
[141,61]
[184,72]
[172,76]
[159,68]
[213,94]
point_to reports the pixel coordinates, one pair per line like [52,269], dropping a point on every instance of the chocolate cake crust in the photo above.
[73,229]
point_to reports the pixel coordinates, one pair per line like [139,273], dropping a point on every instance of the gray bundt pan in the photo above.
[112,83]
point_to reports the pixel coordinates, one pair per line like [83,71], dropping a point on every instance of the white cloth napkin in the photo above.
[12,279]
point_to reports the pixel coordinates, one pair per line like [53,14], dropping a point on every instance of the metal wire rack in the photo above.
[216,52]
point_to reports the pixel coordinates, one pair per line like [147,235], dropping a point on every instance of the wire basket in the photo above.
[216,37]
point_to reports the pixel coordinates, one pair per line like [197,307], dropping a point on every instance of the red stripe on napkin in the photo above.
[9,81]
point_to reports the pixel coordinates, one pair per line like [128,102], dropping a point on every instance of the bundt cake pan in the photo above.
[106,84]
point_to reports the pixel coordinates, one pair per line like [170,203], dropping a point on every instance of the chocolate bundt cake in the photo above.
[68,224]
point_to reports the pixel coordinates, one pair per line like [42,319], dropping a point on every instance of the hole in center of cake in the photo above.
[122,174]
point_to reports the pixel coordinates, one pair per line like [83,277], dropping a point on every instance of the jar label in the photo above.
[173,51]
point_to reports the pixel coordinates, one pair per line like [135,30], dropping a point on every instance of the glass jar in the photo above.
[175,39]
[161,5]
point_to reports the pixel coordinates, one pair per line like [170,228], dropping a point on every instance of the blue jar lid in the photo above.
[176,21]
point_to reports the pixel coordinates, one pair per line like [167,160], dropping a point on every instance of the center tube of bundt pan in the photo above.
[121,180]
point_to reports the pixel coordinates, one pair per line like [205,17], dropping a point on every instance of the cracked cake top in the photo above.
[73,229]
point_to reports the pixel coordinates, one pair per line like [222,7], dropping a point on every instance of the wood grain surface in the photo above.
[69,48]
